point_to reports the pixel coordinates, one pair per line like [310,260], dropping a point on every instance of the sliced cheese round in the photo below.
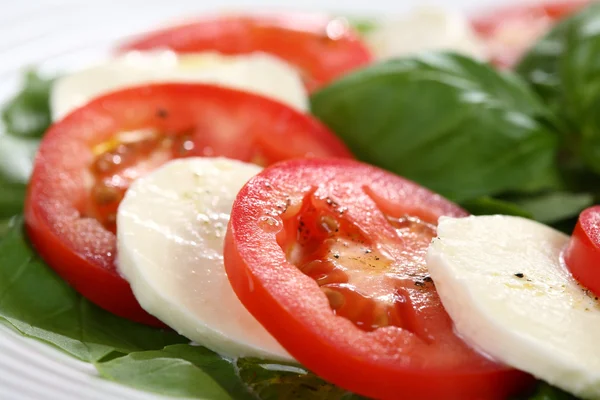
[425,29]
[170,231]
[503,283]
[258,73]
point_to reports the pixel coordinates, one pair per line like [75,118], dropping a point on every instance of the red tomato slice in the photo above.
[86,162]
[582,256]
[329,256]
[321,48]
[509,32]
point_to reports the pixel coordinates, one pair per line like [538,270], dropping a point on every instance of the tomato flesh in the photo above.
[87,161]
[508,33]
[321,48]
[582,256]
[329,256]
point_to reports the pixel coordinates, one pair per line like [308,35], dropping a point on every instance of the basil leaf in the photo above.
[4,227]
[271,381]
[179,371]
[490,206]
[11,198]
[554,207]
[16,158]
[450,123]
[363,25]
[28,113]
[544,391]
[564,69]
[39,304]
[16,161]
[198,373]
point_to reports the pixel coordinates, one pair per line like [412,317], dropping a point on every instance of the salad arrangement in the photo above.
[150,241]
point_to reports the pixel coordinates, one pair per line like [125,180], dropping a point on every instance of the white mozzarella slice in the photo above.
[425,29]
[170,230]
[503,283]
[259,73]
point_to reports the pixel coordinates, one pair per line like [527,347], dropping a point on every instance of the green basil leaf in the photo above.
[39,304]
[363,25]
[4,227]
[16,162]
[544,391]
[490,206]
[555,207]
[272,381]
[16,158]
[564,69]
[196,372]
[28,113]
[450,123]
[179,371]
[11,198]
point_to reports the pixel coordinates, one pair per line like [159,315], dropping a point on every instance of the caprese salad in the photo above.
[290,206]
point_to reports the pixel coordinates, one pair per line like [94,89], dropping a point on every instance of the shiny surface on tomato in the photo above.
[329,255]
[87,161]
[582,256]
[321,48]
[509,32]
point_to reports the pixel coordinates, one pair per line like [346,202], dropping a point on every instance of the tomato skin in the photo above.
[582,256]
[321,51]
[386,363]
[530,21]
[82,250]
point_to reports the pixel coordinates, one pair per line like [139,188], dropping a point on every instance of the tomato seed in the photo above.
[329,224]
[268,224]
[380,317]
[259,160]
[334,276]
[104,194]
[311,266]
[336,299]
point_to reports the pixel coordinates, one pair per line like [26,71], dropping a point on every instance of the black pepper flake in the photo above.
[336,256]
[419,283]
[427,279]
[377,258]
[162,113]
[367,251]
[520,275]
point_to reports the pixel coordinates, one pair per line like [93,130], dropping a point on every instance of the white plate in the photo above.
[63,35]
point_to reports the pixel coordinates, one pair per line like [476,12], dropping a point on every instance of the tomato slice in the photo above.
[321,48]
[509,32]
[87,161]
[329,256]
[582,256]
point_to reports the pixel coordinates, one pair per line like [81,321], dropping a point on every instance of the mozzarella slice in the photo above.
[504,285]
[425,29]
[170,231]
[258,73]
